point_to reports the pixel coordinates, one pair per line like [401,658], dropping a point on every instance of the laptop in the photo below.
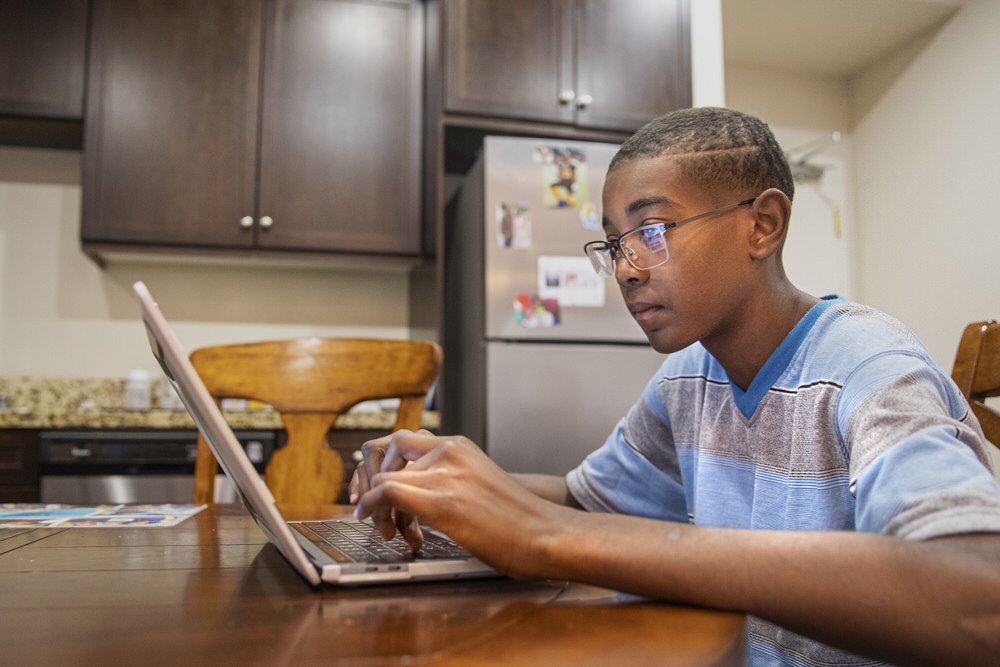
[341,550]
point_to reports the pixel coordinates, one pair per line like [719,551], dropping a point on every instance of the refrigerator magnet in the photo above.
[513,225]
[588,216]
[533,312]
[564,176]
[570,280]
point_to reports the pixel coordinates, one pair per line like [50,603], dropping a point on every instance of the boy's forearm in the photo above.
[905,602]
[550,487]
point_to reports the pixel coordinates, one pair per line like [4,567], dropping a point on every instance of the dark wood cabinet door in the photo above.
[42,55]
[602,64]
[509,58]
[340,139]
[19,473]
[633,61]
[170,133]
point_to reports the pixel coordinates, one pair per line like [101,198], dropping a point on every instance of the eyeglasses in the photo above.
[645,247]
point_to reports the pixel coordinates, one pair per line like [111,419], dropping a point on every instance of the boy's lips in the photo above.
[643,311]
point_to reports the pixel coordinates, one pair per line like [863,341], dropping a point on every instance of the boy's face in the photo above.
[698,293]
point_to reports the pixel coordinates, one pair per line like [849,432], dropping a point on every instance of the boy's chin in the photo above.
[663,343]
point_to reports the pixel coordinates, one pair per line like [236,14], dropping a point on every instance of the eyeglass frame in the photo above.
[616,250]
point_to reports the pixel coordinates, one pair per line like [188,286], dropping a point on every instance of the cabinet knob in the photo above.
[566,96]
[266,221]
[246,222]
[584,101]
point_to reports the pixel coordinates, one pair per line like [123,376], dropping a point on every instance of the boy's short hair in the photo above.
[721,150]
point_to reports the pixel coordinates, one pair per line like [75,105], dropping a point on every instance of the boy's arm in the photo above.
[905,602]
[901,601]
[549,487]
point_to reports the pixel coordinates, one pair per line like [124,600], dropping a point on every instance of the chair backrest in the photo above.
[977,373]
[310,382]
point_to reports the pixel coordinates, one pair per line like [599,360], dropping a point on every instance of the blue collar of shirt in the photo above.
[747,401]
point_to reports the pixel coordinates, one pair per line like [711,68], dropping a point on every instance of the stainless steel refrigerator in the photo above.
[541,356]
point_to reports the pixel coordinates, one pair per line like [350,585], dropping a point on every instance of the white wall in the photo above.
[60,315]
[819,254]
[708,78]
[927,142]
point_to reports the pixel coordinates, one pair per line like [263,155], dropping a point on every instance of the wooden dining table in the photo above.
[211,590]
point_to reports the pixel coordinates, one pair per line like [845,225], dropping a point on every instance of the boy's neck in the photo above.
[766,324]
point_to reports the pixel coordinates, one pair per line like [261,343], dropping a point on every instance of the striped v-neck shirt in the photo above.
[850,425]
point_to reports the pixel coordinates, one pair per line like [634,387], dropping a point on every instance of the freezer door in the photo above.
[533,248]
[548,406]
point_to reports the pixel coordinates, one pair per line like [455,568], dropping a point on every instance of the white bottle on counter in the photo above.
[137,390]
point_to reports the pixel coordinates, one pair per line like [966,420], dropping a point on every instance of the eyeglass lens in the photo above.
[644,248]
[602,260]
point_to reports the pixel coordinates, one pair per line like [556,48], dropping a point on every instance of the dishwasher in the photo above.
[88,467]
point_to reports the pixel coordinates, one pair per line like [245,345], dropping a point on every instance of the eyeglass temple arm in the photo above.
[611,246]
[671,225]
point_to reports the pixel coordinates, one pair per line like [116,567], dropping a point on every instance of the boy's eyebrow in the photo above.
[641,203]
[644,202]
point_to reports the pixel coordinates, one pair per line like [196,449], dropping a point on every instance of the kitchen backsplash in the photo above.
[28,394]
[47,402]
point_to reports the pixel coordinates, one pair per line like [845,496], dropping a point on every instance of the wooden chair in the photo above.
[977,373]
[310,382]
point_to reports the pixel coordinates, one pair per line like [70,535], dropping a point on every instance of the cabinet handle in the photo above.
[585,101]
[266,221]
[566,96]
[246,222]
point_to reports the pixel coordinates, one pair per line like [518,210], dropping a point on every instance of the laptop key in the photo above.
[361,541]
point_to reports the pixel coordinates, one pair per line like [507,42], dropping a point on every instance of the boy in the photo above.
[803,460]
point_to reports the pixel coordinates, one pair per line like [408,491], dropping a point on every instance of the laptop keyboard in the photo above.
[361,542]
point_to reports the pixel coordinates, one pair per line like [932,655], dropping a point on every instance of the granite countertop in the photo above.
[44,403]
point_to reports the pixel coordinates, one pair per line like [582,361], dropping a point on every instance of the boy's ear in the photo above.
[771,211]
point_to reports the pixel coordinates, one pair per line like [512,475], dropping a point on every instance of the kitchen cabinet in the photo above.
[608,64]
[41,70]
[19,476]
[254,125]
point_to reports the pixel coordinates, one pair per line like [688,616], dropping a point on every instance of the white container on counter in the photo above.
[137,396]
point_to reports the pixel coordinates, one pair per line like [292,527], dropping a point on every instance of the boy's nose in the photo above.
[626,273]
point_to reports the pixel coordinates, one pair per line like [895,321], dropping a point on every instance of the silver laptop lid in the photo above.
[202,407]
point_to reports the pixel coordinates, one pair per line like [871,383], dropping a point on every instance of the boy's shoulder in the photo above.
[859,331]
[848,315]
[857,345]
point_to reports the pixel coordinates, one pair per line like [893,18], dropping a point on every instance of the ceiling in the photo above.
[824,37]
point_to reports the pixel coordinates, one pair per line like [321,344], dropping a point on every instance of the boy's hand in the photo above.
[387,520]
[452,485]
